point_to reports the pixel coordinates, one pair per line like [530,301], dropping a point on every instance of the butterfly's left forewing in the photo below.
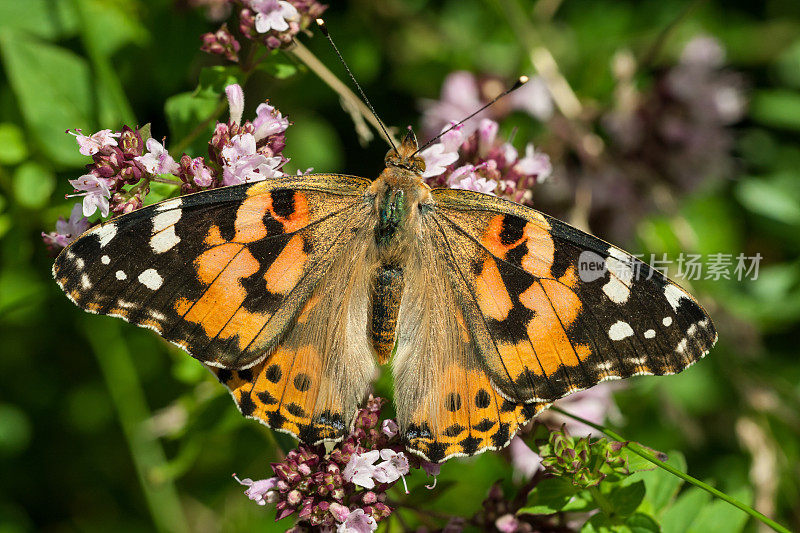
[241,277]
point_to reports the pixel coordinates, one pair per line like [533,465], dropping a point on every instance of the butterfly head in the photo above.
[405,156]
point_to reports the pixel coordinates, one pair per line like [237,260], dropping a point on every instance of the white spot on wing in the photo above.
[105,233]
[170,204]
[616,290]
[166,219]
[637,360]
[121,275]
[649,334]
[619,254]
[105,260]
[619,330]
[79,264]
[674,295]
[86,283]
[163,241]
[682,346]
[667,321]
[151,279]
[605,365]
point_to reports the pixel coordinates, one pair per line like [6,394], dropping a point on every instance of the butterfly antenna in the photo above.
[324,29]
[519,83]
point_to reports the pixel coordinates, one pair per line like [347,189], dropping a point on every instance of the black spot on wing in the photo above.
[302,382]
[246,404]
[514,328]
[501,436]
[275,419]
[245,375]
[227,226]
[453,402]
[224,375]
[454,430]
[470,445]
[482,399]
[296,410]
[484,425]
[435,452]
[273,373]
[512,229]
[517,253]
[267,398]
[283,202]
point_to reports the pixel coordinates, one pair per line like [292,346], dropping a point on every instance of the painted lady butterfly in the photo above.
[289,289]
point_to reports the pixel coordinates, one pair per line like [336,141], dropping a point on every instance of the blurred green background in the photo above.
[105,426]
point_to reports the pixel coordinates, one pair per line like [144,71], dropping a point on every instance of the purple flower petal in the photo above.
[358,522]
[235,96]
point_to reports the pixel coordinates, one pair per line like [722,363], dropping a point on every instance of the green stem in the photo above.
[641,451]
[127,396]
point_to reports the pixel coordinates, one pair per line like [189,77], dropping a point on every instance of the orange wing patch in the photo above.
[282,391]
[471,417]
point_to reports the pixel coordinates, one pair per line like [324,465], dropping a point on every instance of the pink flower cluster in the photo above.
[273,23]
[344,490]
[483,162]
[124,164]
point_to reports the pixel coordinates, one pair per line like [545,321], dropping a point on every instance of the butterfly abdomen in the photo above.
[386,293]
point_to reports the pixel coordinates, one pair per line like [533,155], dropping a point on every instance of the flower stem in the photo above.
[317,67]
[127,396]
[641,451]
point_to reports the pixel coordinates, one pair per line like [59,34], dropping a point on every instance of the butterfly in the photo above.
[290,290]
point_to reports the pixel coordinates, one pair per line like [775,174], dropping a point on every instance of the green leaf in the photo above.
[33,185]
[213,80]
[13,149]
[278,66]
[97,16]
[185,111]
[642,523]
[661,485]
[601,523]
[160,191]
[680,515]
[776,199]
[43,18]
[626,499]
[549,496]
[779,108]
[53,88]
[721,517]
